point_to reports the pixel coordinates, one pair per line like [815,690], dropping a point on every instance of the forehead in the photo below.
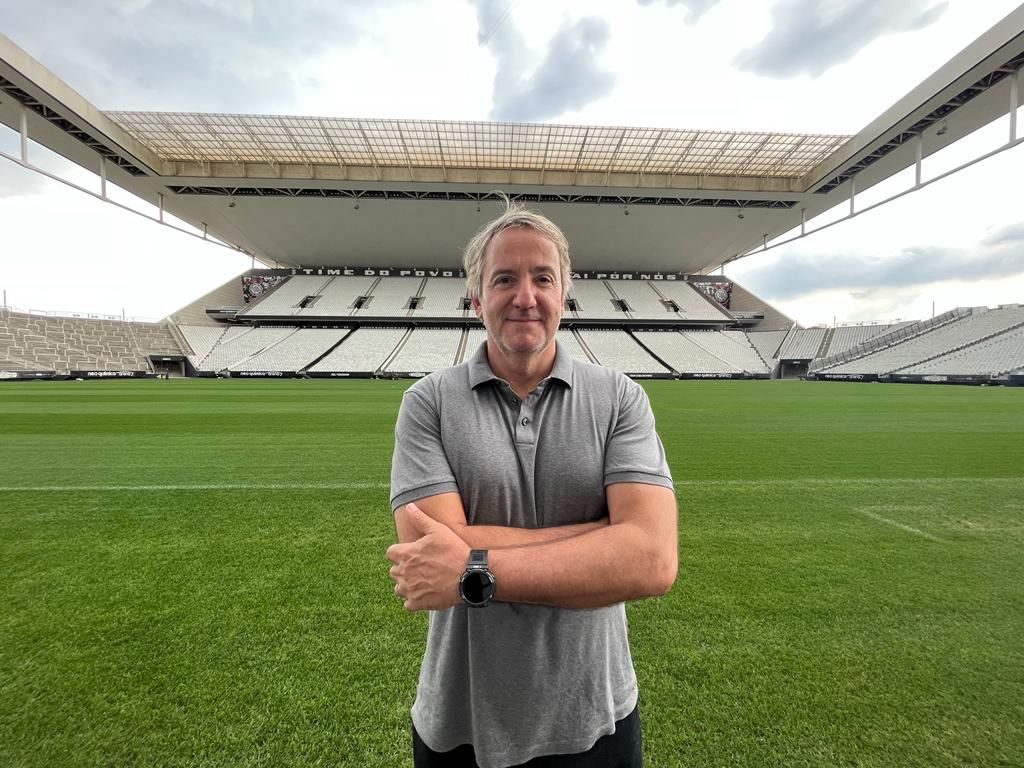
[517,243]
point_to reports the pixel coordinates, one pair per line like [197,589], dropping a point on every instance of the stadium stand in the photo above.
[426,350]
[594,301]
[644,302]
[443,297]
[287,296]
[803,344]
[768,343]
[731,346]
[996,356]
[474,338]
[338,297]
[846,337]
[64,344]
[390,297]
[363,352]
[979,343]
[693,305]
[568,339]
[294,352]
[683,354]
[238,344]
[201,340]
[935,341]
[618,350]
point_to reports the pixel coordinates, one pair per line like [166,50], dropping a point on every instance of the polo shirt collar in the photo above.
[480,370]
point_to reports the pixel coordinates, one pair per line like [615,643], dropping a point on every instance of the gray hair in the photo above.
[515,215]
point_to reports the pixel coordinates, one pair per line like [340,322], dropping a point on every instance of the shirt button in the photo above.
[525,422]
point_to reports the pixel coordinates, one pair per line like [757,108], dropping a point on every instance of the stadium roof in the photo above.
[321,191]
[417,147]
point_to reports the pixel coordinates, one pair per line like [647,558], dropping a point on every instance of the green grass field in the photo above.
[192,573]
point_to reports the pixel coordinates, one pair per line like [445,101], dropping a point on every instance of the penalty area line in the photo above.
[897,524]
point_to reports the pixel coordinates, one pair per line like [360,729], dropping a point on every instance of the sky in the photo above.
[802,66]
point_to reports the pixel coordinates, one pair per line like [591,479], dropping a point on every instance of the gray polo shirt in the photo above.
[514,680]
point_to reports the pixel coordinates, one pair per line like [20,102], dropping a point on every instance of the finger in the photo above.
[395,552]
[420,520]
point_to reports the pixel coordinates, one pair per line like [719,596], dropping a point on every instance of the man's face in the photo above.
[521,297]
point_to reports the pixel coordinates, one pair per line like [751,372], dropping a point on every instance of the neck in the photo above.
[523,371]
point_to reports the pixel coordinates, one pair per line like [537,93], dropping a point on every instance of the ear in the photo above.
[475,303]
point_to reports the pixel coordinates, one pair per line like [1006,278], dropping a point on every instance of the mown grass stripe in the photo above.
[345,486]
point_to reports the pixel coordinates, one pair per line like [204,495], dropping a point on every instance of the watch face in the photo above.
[477,587]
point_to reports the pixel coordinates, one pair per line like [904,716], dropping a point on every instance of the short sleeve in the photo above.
[419,465]
[634,453]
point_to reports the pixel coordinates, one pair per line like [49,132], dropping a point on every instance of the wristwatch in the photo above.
[477,584]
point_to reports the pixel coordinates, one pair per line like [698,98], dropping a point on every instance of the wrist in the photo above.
[477,585]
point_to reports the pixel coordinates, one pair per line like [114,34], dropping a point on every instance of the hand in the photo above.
[426,571]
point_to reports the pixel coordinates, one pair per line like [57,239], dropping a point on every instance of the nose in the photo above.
[525,294]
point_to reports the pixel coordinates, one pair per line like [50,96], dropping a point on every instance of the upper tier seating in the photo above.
[390,297]
[594,301]
[443,297]
[285,298]
[643,301]
[693,305]
[338,297]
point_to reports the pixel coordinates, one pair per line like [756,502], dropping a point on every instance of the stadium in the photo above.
[181,589]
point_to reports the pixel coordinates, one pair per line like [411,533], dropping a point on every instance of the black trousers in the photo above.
[622,749]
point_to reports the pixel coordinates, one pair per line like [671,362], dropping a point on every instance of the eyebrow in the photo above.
[534,271]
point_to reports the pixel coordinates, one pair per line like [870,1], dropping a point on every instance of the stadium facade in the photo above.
[357,226]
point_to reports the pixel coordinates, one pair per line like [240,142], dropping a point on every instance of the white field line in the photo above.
[896,524]
[812,481]
[197,487]
[682,486]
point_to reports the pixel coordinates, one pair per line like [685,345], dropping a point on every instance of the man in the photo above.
[531,498]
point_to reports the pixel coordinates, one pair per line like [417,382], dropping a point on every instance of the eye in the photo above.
[546,280]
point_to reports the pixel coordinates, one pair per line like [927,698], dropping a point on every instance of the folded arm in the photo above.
[631,554]
[447,508]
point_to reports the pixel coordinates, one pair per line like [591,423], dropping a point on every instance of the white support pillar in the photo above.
[853,193]
[160,205]
[103,177]
[23,126]
[204,230]
[803,222]
[918,142]
[1014,103]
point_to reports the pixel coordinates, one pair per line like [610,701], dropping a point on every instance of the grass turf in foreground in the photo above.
[193,574]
